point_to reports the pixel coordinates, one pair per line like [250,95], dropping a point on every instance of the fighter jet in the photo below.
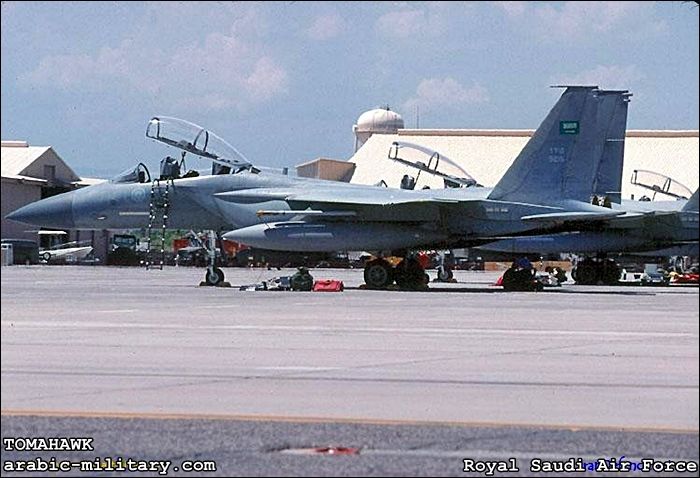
[646,228]
[658,228]
[546,189]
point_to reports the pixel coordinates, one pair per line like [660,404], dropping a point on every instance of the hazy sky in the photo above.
[284,82]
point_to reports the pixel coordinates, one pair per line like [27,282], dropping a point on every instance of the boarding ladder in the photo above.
[159,207]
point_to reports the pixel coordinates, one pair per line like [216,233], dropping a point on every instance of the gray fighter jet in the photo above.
[547,189]
[658,227]
[646,228]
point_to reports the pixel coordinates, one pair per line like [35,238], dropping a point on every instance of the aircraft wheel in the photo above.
[444,274]
[46,256]
[515,280]
[410,274]
[509,281]
[587,274]
[214,276]
[378,274]
[610,273]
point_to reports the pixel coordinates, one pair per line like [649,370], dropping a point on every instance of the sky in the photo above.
[284,82]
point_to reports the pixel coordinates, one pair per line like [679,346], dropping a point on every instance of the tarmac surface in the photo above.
[154,367]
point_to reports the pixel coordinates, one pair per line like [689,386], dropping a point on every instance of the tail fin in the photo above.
[560,160]
[612,118]
[692,204]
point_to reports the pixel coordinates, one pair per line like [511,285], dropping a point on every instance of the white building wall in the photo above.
[486,158]
[14,196]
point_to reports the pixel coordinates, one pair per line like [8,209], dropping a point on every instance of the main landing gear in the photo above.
[408,274]
[594,271]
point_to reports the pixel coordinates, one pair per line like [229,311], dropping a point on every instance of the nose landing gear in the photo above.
[214,275]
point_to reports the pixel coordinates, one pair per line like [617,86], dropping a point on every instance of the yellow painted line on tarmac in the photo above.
[313,419]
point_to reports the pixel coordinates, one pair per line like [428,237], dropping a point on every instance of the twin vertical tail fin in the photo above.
[692,204]
[612,119]
[568,150]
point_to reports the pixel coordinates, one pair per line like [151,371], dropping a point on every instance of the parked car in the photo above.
[648,277]
[658,277]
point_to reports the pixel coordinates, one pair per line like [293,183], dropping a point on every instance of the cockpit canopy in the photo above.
[139,174]
[658,183]
[194,139]
[461,179]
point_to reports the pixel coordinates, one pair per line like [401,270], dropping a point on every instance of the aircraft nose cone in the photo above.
[239,235]
[55,211]
[250,236]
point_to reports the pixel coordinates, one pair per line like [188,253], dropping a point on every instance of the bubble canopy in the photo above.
[194,139]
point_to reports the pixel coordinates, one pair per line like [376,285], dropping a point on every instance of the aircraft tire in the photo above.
[587,274]
[610,273]
[520,280]
[214,276]
[409,274]
[378,274]
[508,281]
[444,274]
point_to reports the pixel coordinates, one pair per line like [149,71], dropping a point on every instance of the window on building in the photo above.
[49,172]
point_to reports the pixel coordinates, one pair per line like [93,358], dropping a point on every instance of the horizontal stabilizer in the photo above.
[649,215]
[572,216]
[306,212]
[659,213]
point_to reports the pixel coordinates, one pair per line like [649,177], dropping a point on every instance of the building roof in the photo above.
[631,133]
[23,179]
[18,157]
[327,168]
[486,155]
[319,160]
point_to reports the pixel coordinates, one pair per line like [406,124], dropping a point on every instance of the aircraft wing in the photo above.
[395,206]
[367,197]
[341,218]
[357,204]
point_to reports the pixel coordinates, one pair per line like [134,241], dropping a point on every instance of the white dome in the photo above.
[380,120]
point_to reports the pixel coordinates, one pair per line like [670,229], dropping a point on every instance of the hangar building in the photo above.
[31,173]
[485,155]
